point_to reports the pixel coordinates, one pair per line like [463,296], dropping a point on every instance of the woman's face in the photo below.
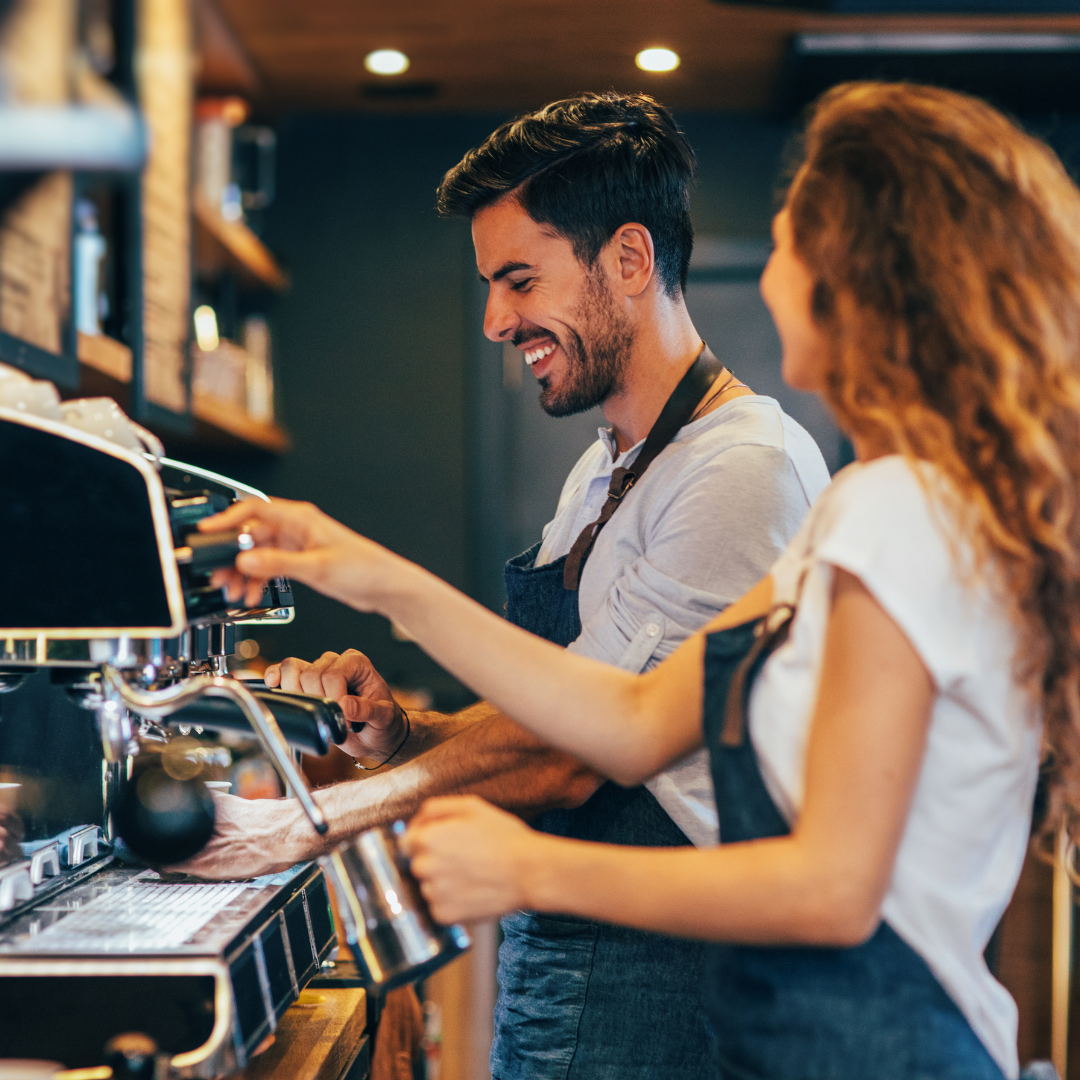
[787,287]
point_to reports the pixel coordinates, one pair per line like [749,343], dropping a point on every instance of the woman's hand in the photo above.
[473,861]
[299,541]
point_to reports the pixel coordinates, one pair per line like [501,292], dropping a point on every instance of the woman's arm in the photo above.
[625,726]
[823,884]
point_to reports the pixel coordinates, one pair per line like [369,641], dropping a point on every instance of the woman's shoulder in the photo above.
[894,524]
[891,519]
[892,473]
[884,494]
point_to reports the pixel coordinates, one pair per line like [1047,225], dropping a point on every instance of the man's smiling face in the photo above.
[561,314]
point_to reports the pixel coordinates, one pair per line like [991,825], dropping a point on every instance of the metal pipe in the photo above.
[158,704]
[1061,956]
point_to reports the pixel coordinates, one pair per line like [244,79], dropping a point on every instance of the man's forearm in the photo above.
[492,757]
[430,729]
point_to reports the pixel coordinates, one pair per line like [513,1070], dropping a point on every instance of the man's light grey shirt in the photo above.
[709,518]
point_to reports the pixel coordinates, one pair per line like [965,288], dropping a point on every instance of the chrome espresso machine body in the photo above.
[112,656]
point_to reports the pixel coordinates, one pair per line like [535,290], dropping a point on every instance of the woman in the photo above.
[875,789]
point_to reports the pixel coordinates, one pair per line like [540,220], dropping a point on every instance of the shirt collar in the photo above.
[614,458]
[607,437]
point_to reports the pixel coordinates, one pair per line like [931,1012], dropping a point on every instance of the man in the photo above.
[580,220]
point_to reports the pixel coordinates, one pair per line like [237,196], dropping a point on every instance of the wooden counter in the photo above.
[320,1038]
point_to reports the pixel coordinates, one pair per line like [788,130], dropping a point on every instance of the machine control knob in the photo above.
[82,845]
[15,885]
[45,862]
[205,552]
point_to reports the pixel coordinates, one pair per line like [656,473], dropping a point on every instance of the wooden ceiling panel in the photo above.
[496,55]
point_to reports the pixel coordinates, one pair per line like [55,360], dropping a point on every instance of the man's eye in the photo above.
[520,286]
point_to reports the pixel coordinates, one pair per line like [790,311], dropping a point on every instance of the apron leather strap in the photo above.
[770,634]
[676,412]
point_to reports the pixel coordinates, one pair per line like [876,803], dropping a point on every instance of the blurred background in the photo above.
[275,296]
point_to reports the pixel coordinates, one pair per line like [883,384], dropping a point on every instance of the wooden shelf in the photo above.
[105,355]
[231,245]
[105,371]
[219,424]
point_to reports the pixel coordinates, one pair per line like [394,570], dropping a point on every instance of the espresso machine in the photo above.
[114,696]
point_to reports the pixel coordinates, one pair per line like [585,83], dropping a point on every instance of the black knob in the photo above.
[131,1056]
[208,551]
[162,819]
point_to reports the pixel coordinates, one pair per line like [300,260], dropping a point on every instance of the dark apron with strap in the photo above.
[802,1013]
[580,1000]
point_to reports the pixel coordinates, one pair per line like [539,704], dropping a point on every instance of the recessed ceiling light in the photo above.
[657,60]
[386,62]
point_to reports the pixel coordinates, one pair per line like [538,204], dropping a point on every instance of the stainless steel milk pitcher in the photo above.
[387,921]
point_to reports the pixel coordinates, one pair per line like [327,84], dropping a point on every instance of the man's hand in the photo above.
[376,720]
[253,837]
[473,861]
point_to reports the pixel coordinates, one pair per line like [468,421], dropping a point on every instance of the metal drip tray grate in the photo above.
[145,915]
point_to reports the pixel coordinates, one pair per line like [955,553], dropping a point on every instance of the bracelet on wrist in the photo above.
[386,760]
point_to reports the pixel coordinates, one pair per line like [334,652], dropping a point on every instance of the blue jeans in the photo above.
[581,1000]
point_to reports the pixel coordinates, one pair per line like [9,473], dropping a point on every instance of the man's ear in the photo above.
[631,258]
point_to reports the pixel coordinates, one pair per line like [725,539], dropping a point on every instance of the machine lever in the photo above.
[157,704]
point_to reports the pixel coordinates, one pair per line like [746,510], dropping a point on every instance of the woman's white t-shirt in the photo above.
[967,831]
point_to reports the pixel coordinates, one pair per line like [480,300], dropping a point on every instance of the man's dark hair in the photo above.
[585,166]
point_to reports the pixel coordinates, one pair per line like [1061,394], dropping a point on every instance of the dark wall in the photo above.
[370,345]
[380,361]
[740,160]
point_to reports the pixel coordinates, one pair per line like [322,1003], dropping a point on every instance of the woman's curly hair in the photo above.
[945,244]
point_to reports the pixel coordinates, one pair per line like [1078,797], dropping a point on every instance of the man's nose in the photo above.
[500,319]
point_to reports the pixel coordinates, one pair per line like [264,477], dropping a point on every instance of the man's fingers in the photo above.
[272,676]
[333,676]
[313,676]
[291,670]
[361,710]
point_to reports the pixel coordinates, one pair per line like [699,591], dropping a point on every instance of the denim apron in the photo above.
[806,1013]
[581,1000]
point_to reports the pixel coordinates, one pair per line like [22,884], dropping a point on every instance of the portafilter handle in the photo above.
[158,704]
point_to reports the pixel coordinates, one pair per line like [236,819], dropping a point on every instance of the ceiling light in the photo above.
[657,60]
[386,62]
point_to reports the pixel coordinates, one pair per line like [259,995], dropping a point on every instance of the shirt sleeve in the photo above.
[708,540]
[887,529]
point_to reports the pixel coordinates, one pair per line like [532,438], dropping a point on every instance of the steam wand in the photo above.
[158,704]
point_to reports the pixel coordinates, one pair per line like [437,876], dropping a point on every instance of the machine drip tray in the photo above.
[206,969]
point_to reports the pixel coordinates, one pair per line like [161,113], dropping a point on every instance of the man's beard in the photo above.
[595,362]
